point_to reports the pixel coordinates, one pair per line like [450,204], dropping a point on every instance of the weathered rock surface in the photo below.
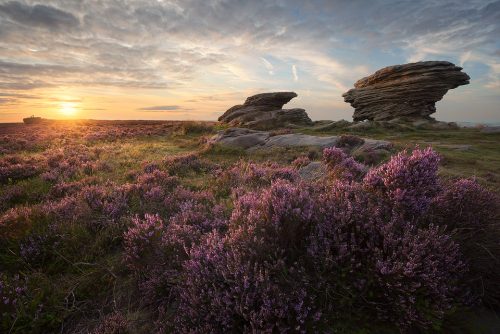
[255,140]
[313,171]
[241,138]
[409,90]
[264,111]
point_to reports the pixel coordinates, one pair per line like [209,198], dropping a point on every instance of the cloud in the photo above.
[19,96]
[465,57]
[162,108]
[268,66]
[6,100]
[39,15]
[294,73]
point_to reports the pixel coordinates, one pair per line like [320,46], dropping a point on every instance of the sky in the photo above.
[193,59]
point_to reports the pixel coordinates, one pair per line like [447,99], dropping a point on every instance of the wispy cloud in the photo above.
[161,108]
[268,65]
[294,73]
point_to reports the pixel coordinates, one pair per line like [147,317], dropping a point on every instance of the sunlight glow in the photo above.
[68,108]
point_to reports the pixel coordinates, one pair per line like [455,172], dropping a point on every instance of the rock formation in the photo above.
[253,140]
[264,111]
[404,91]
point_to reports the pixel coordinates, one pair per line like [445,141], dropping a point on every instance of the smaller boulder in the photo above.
[265,112]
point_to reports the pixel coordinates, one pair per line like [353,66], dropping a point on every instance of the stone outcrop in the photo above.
[253,140]
[409,90]
[265,111]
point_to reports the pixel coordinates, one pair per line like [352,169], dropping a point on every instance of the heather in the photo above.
[141,228]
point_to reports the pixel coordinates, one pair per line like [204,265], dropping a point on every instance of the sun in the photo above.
[68,108]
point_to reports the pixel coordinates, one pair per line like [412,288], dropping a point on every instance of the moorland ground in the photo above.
[73,282]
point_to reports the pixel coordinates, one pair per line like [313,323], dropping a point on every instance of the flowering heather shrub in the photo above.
[301,161]
[142,238]
[347,253]
[9,195]
[224,292]
[114,323]
[63,189]
[252,175]
[66,209]
[155,248]
[349,141]
[474,213]
[408,181]
[68,162]
[151,189]
[150,167]
[15,222]
[466,204]
[237,283]
[12,144]
[180,165]
[15,168]
[35,249]
[12,290]
[108,200]
[156,178]
[340,165]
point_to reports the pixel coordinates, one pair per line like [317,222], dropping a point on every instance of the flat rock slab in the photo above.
[241,138]
[298,139]
[255,140]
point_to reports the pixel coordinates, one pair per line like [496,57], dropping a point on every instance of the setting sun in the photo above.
[68,108]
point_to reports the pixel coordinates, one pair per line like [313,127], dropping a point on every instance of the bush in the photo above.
[298,258]
[340,165]
[181,165]
[250,175]
[473,213]
[349,141]
[156,248]
[408,181]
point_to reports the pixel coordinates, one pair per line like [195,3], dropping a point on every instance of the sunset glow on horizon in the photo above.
[193,60]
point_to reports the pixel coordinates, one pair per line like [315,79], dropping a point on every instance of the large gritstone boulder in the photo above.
[264,112]
[404,91]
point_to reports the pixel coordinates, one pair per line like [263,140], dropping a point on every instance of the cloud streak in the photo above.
[39,16]
[161,108]
[294,73]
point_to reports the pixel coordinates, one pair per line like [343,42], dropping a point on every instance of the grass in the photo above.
[84,278]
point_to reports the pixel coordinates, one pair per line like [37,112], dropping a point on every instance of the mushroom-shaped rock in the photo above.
[409,90]
[264,111]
